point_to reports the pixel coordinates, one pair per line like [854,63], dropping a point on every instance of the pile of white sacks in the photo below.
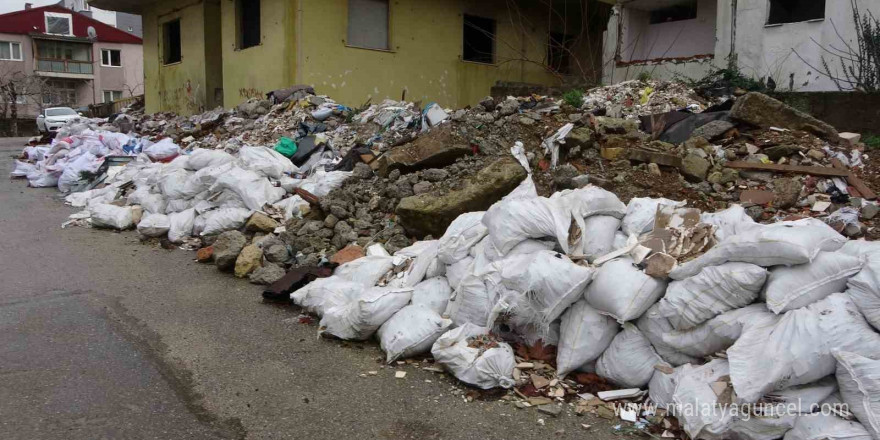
[180,193]
[775,316]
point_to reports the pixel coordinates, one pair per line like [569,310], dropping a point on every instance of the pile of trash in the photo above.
[735,328]
[634,98]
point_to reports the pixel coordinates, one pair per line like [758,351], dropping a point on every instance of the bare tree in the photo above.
[18,88]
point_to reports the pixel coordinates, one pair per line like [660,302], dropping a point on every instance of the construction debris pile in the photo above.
[678,262]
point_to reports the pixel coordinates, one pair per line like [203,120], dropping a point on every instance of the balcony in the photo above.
[48,66]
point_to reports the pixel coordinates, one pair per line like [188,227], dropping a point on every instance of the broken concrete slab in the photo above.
[426,214]
[758,197]
[260,222]
[763,111]
[434,150]
[694,167]
[663,159]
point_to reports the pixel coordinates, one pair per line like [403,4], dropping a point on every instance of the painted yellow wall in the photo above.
[425,55]
[183,87]
[254,71]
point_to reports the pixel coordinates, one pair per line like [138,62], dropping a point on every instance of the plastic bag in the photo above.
[411,331]
[361,317]
[154,225]
[461,235]
[180,225]
[224,219]
[713,291]
[864,289]
[630,359]
[293,207]
[111,216]
[323,182]
[859,379]
[479,366]
[784,243]
[22,169]
[653,326]
[790,288]
[163,150]
[432,294]
[640,213]
[796,348]
[39,178]
[266,161]
[286,146]
[205,157]
[623,291]
[252,188]
[584,335]
[730,221]
[598,235]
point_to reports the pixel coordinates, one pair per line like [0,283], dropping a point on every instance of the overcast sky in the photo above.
[16,5]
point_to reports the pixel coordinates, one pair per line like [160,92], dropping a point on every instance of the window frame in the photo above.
[69,17]
[11,53]
[111,92]
[239,25]
[388,47]
[767,22]
[494,61]
[110,57]
[166,40]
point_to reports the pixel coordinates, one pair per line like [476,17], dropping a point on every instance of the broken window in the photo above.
[58,23]
[559,52]
[171,42]
[793,11]
[682,11]
[479,39]
[368,24]
[248,12]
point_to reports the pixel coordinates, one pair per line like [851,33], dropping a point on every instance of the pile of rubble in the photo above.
[532,246]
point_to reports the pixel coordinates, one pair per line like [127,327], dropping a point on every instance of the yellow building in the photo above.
[199,54]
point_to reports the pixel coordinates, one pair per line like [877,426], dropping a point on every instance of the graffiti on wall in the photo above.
[250,93]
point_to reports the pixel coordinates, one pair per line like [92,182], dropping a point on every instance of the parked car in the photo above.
[51,119]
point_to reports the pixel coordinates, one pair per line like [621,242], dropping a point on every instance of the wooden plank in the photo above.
[854,181]
[816,171]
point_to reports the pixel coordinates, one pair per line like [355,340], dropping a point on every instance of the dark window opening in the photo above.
[559,52]
[793,11]
[248,23]
[111,57]
[679,12]
[368,24]
[171,42]
[479,39]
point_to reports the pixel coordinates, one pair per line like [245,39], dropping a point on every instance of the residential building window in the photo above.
[368,24]
[479,39]
[248,12]
[112,95]
[111,57]
[58,23]
[10,51]
[793,11]
[171,42]
[683,11]
[60,93]
[559,52]
[64,57]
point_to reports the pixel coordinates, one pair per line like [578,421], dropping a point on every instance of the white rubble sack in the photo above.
[623,291]
[771,420]
[162,150]
[784,243]
[206,157]
[715,290]
[181,225]
[361,317]
[867,250]
[509,222]
[365,270]
[730,221]
[640,214]
[630,359]
[662,386]
[456,272]
[154,225]
[326,293]
[697,406]
[598,235]
[583,336]
[265,161]
[653,326]
[864,289]
[826,425]
[797,348]
[154,203]
[432,294]
[793,287]
[224,219]
[425,262]
[859,380]
[111,216]
[411,331]
[251,187]
[718,333]
[471,302]
[483,368]
[462,234]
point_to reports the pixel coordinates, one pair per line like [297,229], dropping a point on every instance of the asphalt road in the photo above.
[104,337]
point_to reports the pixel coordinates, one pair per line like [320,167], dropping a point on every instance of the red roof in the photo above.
[30,21]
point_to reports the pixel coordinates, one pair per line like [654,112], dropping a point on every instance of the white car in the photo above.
[51,119]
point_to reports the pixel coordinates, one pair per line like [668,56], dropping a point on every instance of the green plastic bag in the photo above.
[286,146]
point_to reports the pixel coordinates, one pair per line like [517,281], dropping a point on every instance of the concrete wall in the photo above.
[129,79]
[189,86]
[684,38]
[773,50]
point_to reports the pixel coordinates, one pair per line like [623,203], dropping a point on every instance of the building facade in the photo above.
[130,23]
[207,53]
[784,40]
[57,57]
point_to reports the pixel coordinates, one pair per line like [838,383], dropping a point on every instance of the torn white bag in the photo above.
[697,406]
[479,366]
[411,331]
[366,270]
[640,214]
[730,221]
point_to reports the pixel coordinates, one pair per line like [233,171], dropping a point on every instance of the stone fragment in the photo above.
[786,192]
[869,211]
[250,258]
[348,254]
[205,254]
[694,167]
[713,130]
[763,111]
[276,253]
[226,249]
[260,222]
[266,275]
